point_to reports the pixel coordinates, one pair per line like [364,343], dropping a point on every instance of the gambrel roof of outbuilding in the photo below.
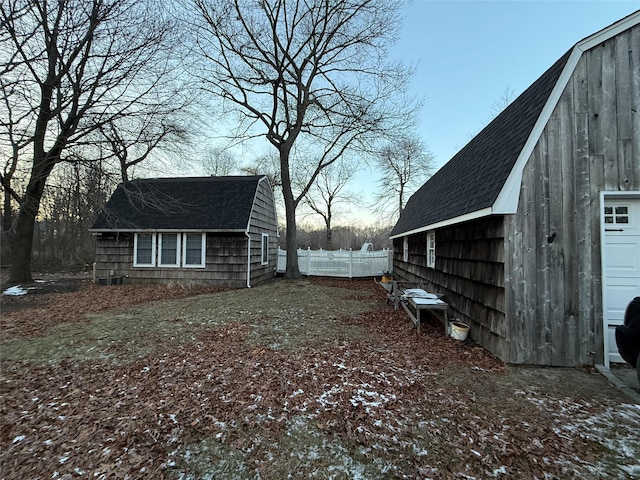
[484,177]
[221,204]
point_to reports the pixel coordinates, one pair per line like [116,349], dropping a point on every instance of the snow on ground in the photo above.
[358,397]
[16,290]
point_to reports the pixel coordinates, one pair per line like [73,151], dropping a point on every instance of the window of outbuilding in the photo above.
[169,247]
[174,250]
[405,249]
[144,250]
[194,250]
[431,249]
[265,249]
[616,214]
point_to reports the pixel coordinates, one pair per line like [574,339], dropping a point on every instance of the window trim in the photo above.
[153,250]
[177,251]
[203,251]
[616,217]
[431,249]
[405,249]
[264,249]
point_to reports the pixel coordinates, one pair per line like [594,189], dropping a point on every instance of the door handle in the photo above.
[613,230]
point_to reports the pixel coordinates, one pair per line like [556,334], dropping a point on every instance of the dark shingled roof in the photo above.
[473,178]
[205,203]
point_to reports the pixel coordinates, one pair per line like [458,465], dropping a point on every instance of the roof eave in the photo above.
[484,212]
[165,230]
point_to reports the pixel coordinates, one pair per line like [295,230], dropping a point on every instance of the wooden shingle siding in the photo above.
[114,253]
[263,220]
[590,144]
[528,277]
[469,270]
[234,212]
[226,262]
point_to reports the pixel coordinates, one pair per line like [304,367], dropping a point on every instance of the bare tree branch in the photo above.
[305,73]
[70,68]
[404,166]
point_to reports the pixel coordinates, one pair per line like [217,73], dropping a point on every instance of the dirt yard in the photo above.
[307,379]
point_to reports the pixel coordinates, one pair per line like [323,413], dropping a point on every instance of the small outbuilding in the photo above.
[532,230]
[212,230]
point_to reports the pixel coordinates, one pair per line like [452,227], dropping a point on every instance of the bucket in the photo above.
[459,330]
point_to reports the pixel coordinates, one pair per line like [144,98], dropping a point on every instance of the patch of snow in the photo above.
[420,452]
[16,290]
[19,438]
[500,471]
[615,428]
[324,398]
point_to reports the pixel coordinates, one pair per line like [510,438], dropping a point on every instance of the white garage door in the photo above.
[621,217]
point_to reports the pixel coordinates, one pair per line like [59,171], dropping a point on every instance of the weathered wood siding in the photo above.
[263,220]
[227,254]
[469,270]
[114,255]
[225,264]
[530,284]
[590,144]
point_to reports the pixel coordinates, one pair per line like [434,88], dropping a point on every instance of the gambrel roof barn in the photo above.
[216,230]
[532,230]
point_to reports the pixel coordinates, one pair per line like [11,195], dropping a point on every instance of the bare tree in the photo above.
[132,140]
[265,165]
[74,195]
[304,72]
[329,192]
[218,161]
[502,102]
[68,69]
[403,165]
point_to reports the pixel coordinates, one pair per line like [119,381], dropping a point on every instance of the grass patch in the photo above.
[302,450]
[125,335]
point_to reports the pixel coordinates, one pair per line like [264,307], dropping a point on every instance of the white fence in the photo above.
[340,263]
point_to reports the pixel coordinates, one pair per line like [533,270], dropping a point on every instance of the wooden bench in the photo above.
[416,300]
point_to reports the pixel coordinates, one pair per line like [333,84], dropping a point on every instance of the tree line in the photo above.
[97,92]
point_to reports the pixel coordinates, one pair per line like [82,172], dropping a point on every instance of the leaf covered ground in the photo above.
[315,378]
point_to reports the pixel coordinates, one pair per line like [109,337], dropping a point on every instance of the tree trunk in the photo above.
[21,233]
[291,244]
[292,270]
[21,241]
[327,222]
[7,213]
